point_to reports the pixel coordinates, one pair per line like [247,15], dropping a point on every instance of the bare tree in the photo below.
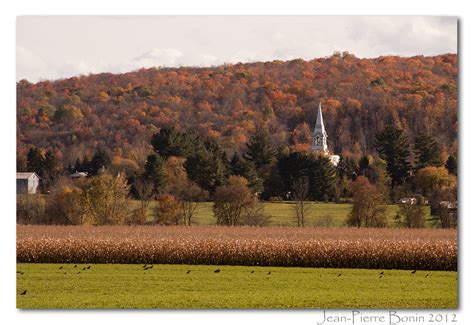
[145,192]
[368,209]
[300,196]
[231,201]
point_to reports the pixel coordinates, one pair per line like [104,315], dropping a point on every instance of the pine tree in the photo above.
[392,146]
[323,177]
[154,172]
[34,161]
[245,168]
[100,160]
[260,150]
[452,165]
[206,169]
[170,142]
[427,152]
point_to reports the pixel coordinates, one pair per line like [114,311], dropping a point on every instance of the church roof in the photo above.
[319,127]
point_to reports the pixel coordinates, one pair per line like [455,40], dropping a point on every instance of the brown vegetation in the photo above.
[433,249]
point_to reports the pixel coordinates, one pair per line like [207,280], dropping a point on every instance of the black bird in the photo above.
[426,275]
[61,267]
[252,272]
[23,293]
[75,265]
[413,272]
[88,267]
[144,266]
[269,272]
[84,268]
[20,272]
[150,267]
[189,271]
[381,276]
[217,271]
[78,272]
[381,273]
[340,274]
[65,272]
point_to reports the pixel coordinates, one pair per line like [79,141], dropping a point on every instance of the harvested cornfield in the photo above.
[421,249]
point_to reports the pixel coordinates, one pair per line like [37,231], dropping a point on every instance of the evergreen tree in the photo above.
[392,146]
[85,166]
[427,152]
[170,142]
[259,149]
[318,169]
[206,169]
[323,177]
[100,160]
[34,161]
[154,173]
[452,165]
[245,168]
[364,163]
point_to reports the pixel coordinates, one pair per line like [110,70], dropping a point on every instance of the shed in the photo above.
[27,183]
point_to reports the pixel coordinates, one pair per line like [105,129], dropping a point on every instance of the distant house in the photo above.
[27,183]
[79,175]
[408,200]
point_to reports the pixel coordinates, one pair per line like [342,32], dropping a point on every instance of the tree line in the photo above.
[185,168]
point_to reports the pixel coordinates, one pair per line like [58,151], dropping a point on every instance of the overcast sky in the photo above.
[60,47]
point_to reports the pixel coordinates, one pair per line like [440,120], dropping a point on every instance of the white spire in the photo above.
[319,127]
[319,134]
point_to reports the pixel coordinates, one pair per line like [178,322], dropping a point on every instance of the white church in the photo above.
[319,142]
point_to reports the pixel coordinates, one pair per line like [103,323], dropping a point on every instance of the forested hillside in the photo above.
[120,113]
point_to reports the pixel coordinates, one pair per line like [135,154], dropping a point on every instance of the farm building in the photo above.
[78,175]
[27,183]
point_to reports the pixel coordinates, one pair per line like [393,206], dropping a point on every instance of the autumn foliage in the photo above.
[76,116]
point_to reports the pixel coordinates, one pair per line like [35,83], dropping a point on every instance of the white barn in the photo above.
[27,183]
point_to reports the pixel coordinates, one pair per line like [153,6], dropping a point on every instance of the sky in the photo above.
[64,46]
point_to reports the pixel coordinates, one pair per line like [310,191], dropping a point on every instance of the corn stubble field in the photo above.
[409,249]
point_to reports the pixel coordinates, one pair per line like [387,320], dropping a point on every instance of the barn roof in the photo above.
[25,175]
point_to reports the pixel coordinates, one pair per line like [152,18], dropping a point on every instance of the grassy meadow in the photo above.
[282,213]
[171,286]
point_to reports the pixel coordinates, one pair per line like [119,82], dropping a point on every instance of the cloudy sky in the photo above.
[60,47]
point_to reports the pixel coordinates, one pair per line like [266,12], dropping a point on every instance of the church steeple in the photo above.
[319,143]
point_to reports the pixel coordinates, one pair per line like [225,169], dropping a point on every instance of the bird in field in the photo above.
[144,266]
[380,276]
[340,274]
[61,267]
[65,272]
[269,272]
[75,265]
[381,273]
[23,293]
[217,271]
[189,271]
[89,267]
[252,272]
[426,275]
[413,272]
[84,268]
[150,267]
[20,272]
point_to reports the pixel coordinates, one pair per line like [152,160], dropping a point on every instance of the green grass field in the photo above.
[282,214]
[170,286]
